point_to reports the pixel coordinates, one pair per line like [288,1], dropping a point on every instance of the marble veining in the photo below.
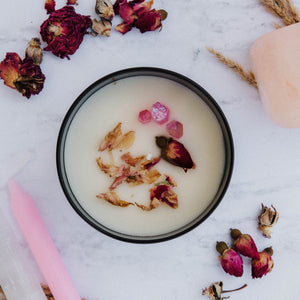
[267,157]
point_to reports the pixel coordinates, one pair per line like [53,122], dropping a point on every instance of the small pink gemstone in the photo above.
[145,116]
[160,113]
[175,129]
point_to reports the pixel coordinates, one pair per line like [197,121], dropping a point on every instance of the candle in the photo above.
[122,102]
[41,244]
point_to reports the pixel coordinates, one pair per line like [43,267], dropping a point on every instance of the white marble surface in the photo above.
[267,158]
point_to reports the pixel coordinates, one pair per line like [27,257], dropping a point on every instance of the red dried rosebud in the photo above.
[145,116]
[126,12]
[175,129]
[264,264]
[64,31]
[50,6]
[175,153]
[231,261]
[23,76]
[244,244]
[148,21]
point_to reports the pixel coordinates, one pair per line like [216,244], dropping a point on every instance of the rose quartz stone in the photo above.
[160,113]
[145,116]
[175,129]
[275,59]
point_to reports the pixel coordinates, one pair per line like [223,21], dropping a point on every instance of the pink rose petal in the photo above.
[175,129]
[160,113]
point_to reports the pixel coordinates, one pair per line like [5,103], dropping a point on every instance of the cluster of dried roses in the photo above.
[63,32]
[231,261]
[139,170]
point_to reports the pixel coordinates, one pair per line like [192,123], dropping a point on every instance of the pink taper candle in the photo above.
[41,244]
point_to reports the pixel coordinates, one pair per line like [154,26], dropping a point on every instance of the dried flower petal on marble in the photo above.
[104,9]
[215,291]
[160,113]
[148,21]
[267,219]
[230,260]
[101,27]
[264,264]
[138,13]
[34,51]
[148,164]
[22,75]
[132,161]
[64,30]
[145,116]
[175,153]
[175,129]
[72,2]
[114,199]
[50,6]
[244,244]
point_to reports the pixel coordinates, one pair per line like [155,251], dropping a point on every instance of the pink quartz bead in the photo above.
[160,113]
[175,129]
[145,116]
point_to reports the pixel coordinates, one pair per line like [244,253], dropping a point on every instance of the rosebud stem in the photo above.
[235,289]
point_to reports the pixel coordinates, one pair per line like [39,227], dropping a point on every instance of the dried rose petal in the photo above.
[123,27]
[145,116]
[139,7]
[148,164]
[264,264]
[114,199]
[50,6]
[244,244]
[112,139]
[132,161]
[160,113]
[267,219]
[175,129]
[231,261]
[10,69]
[148,21]
[126,141]
[22,75]
[175,153]
[64,31]
[126,12]
[111,170]
[72,2]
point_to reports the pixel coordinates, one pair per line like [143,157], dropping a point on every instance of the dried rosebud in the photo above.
[175,129]
[64,31]
[34,51]
[22,75]
[267,219]
[231,261]
[215,291]
[244,244]
[175,153]
[264,264]
[104,9]
[50,6]
[102,27]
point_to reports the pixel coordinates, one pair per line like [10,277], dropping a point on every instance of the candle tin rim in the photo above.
[145,71]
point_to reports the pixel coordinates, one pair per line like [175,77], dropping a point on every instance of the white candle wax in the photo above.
[122,102]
